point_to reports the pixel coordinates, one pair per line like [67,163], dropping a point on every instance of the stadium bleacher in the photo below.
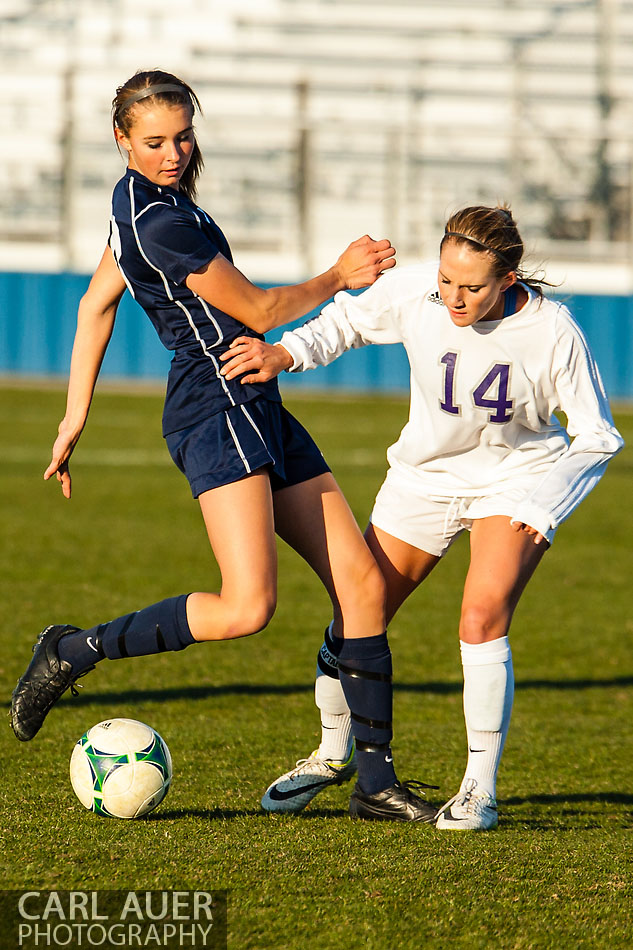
[323,120]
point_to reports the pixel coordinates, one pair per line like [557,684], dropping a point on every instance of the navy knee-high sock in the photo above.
[364,666]
[156,629]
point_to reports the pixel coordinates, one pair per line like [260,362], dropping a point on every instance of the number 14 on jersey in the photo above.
[491,393]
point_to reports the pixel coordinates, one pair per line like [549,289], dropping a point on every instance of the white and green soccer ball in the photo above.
[120,768]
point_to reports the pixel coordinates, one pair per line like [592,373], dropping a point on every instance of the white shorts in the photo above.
[432,522]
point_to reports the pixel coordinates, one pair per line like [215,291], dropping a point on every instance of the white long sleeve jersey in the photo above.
[484,397]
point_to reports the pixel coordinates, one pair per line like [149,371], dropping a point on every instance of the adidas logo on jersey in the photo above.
[436,298]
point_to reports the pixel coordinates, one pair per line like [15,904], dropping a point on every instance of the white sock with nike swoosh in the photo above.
[336,723]
[336,727]
[488,698]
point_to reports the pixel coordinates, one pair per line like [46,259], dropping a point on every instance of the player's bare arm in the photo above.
[221,284]
[95,321]
[261,361]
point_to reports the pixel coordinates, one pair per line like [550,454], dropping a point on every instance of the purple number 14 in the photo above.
[497,401]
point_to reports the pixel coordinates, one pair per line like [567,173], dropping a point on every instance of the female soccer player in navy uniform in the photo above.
[492,360]
[252,466]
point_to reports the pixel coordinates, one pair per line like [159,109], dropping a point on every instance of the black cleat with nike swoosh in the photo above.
[396,803]
[295,789]
[45,680]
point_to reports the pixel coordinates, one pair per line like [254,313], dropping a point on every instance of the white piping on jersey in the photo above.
[204,215]
[152,204]
[124,276]
[237,443]
[115,247]
[215,323]
[134,219]
[203,302]
[190,320]
[205,349]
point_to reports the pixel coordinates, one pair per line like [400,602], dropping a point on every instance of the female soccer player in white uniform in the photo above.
[492,360]
[252,466]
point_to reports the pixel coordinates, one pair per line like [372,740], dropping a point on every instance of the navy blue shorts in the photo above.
[230,445]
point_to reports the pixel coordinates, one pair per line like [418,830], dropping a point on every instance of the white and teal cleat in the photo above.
[295,789]
[469,810]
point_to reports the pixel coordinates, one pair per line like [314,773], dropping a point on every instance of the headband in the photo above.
[152,91]
[504,260]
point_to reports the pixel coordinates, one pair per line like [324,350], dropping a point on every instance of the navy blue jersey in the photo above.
[158,237]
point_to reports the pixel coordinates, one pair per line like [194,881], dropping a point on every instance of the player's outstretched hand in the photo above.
[62,450]
[258,360]
[364,261]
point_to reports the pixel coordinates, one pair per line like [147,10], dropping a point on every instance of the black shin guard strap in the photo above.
[364,674]
[373,723]
[382,747]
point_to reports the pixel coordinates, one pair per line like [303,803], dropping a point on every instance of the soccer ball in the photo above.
[120,768]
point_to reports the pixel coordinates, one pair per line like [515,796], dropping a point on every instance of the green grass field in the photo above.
[557,872]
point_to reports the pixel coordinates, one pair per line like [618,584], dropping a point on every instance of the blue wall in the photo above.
[37,325]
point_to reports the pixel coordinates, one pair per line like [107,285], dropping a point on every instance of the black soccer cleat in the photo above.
[45,680]
[396,803]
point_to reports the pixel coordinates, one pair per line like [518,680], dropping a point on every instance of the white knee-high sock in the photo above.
[488,697]
[336,724]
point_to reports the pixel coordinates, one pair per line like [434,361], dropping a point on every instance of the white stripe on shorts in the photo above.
[237,443]
[248,416]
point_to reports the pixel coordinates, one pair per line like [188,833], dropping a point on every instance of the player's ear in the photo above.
[121,139]
[509,280]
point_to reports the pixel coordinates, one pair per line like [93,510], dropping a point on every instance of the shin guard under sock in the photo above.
[159,628]
[488,697]
[365,674]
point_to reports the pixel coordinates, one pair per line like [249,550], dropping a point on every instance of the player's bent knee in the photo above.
[480,623]
[365,590]
[251,617]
